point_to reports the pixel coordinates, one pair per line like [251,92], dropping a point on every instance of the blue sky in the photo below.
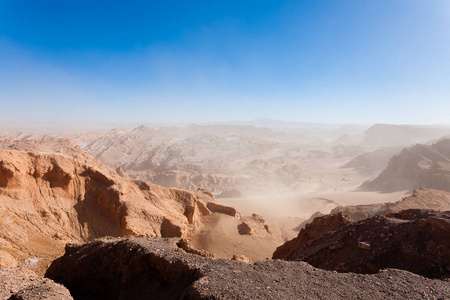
[332,61]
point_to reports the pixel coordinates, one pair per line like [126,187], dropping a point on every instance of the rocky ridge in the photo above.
[388,135]
[414,240]
[373,162]
[156,268]
[421,198]
[417,166]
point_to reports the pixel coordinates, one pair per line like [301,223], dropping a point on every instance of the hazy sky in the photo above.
[334,61]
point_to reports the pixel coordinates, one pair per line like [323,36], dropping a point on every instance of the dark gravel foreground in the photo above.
[155,268]
[18,283]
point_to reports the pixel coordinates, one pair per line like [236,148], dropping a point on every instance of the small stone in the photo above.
[364,245]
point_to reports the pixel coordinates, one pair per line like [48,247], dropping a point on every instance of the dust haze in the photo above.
[283,171]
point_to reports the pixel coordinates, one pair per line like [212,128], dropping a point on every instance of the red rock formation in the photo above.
[49,199]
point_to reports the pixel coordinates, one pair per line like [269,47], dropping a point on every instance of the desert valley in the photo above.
[288,149]
[208,212]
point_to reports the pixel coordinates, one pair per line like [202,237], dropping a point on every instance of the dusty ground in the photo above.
[220,236]
[284,214]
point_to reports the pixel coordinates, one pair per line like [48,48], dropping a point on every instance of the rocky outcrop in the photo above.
[417,166]
[155,268]
[186,246]
[420,199]
[413,240]
[172,228]
[22,284]
[244,228]
[241,257]
[254,225]
[48,199]
[220,208]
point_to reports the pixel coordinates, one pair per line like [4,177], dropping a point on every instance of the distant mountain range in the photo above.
[225,157]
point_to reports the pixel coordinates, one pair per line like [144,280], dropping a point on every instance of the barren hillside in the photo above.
[416,166]
[50,198]
[373,162]
[225,157]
